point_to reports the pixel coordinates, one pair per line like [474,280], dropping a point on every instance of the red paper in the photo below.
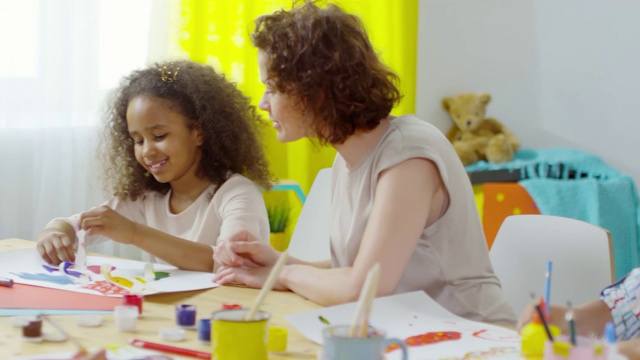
[22,296]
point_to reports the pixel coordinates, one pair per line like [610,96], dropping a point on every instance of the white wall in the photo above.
[562,73]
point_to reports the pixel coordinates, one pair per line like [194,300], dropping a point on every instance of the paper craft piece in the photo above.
[419,320]
[25,266]
[22,296]
[81,255]
[149,274]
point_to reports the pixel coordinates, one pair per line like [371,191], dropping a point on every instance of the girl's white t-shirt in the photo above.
[216,214]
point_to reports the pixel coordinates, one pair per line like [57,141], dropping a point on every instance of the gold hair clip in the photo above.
[169,74]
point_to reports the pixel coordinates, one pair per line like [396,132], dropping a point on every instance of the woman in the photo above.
[400,195]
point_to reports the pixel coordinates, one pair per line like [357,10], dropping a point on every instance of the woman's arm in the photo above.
[243,249]
[404,199]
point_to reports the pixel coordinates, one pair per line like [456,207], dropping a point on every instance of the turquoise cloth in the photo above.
[578,185]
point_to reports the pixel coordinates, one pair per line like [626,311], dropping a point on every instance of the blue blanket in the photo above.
[578,185]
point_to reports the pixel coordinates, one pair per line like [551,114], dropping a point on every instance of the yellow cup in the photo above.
[233,338]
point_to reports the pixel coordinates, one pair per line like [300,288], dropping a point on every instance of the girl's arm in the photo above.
[239,204]
[184,254]
[590,317]
[630,349]
[404,197]
[244,235]
[56,242]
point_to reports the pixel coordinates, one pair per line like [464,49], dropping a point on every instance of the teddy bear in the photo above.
[475,137]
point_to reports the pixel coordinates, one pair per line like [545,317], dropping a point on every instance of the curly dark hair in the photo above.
[230,127]
[323,57]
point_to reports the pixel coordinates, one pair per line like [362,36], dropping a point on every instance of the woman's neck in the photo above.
[359,145]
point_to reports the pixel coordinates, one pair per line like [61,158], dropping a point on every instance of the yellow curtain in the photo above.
[217,32]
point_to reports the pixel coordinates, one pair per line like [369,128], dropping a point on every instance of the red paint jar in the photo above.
[133,300]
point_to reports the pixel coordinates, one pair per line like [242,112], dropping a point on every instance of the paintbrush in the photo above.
[359,326]
[268,285]
[571,322]
[544,322]
[82,349]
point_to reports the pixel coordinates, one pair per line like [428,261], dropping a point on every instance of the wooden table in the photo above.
[158,313]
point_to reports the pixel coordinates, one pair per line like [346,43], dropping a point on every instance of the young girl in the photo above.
[400,195]
[180,150]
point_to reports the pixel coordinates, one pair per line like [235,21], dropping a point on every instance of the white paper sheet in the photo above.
[25,266]
[410,314]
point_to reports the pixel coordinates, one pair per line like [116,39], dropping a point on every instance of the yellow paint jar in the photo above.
[233,338]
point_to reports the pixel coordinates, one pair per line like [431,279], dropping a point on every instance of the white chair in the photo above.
[310,238]
[581,254]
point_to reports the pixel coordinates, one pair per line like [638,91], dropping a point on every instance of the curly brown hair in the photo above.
[230,128]
[323,57]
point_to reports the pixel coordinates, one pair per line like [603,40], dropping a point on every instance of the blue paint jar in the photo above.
[186,315]
[204,330]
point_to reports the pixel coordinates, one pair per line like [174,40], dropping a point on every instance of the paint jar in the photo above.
[585,349]
[32,330]
[533,337]
[204,330]
[337,344]
[172,334]
[133,300]
[126,317]
[89,320]
[234,338]
[277,339]
[186,315]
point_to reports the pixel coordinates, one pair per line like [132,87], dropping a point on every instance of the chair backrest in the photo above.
[310,238]
[581,255]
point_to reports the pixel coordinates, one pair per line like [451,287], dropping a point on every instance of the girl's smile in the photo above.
[155,166]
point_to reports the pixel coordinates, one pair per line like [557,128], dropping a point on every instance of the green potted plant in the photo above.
[278,219]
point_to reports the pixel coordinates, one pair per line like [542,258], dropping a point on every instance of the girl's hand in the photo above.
[243,249]
[55,243]
[251,277]
[556,317]
[630,349]
[106,222]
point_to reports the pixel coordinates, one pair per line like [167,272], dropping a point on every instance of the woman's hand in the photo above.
[243,249]
[55,243]
[106,222]
[251,277]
